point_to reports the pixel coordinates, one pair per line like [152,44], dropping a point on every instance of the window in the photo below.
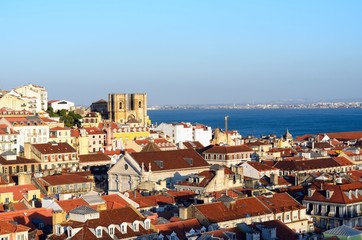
[111,230]
[135,226]
[124,228]
[99,232]
[59,156]
[139,104]
[20,237]
[4,238]
[147,224]
[45,157]
[120,105]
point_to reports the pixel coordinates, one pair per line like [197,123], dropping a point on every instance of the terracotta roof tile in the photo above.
[170,160]
[53,148]
[97,157]
[228,149]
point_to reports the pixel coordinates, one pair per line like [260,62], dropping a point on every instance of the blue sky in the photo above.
[184,52]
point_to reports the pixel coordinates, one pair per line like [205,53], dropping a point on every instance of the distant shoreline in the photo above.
[324,105]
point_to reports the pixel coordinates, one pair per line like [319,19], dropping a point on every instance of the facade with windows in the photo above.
[53,156]
[333,205]
[72,184]
[31,129]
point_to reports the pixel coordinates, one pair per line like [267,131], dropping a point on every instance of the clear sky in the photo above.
[184,52]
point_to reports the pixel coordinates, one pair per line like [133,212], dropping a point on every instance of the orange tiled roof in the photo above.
[311,164]
[228,149]
[179,227]
[152,201]
[7,228]
[345,135]
[96,157]
[261,167]
[242,208]
[114,201]
[18,191]
[171,160]
[53,148]
[19,160]
[70,204]
[94,131]
[63,179]
[339,193]
[24,217]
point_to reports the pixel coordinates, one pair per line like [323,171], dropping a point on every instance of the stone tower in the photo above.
[128,108]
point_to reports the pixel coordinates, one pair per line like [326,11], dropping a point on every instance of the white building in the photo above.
[36,92]
[58,105]
[31,129]
[183,132]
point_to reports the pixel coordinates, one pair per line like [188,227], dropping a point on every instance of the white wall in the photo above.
[65,105]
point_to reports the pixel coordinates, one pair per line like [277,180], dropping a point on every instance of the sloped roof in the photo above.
[338,193]
[83,210]
[312,164]
[151,147]
[19,160]
[225,149]
[343,231]
[180,228]
[7,228]
[260,166]
[71,204]
[242,208]
[95,157]
[171,160]
[345,135]
[53,148]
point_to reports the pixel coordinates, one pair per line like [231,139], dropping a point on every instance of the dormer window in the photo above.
[135,226]
[69,231]
[147,224]
[98,232]
[58,229]
[124,228]
[111,230]
[173,236]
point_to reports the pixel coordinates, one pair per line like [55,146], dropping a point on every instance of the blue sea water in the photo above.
[258,122]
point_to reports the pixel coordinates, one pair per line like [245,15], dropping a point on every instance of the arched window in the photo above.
[120,105]
[139,104]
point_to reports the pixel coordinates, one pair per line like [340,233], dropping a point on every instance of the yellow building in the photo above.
[128,108]
[14,194]
[91,119]
[126,134]
[60,135]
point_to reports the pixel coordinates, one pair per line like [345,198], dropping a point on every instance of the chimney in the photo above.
[27,150]
[274,179]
